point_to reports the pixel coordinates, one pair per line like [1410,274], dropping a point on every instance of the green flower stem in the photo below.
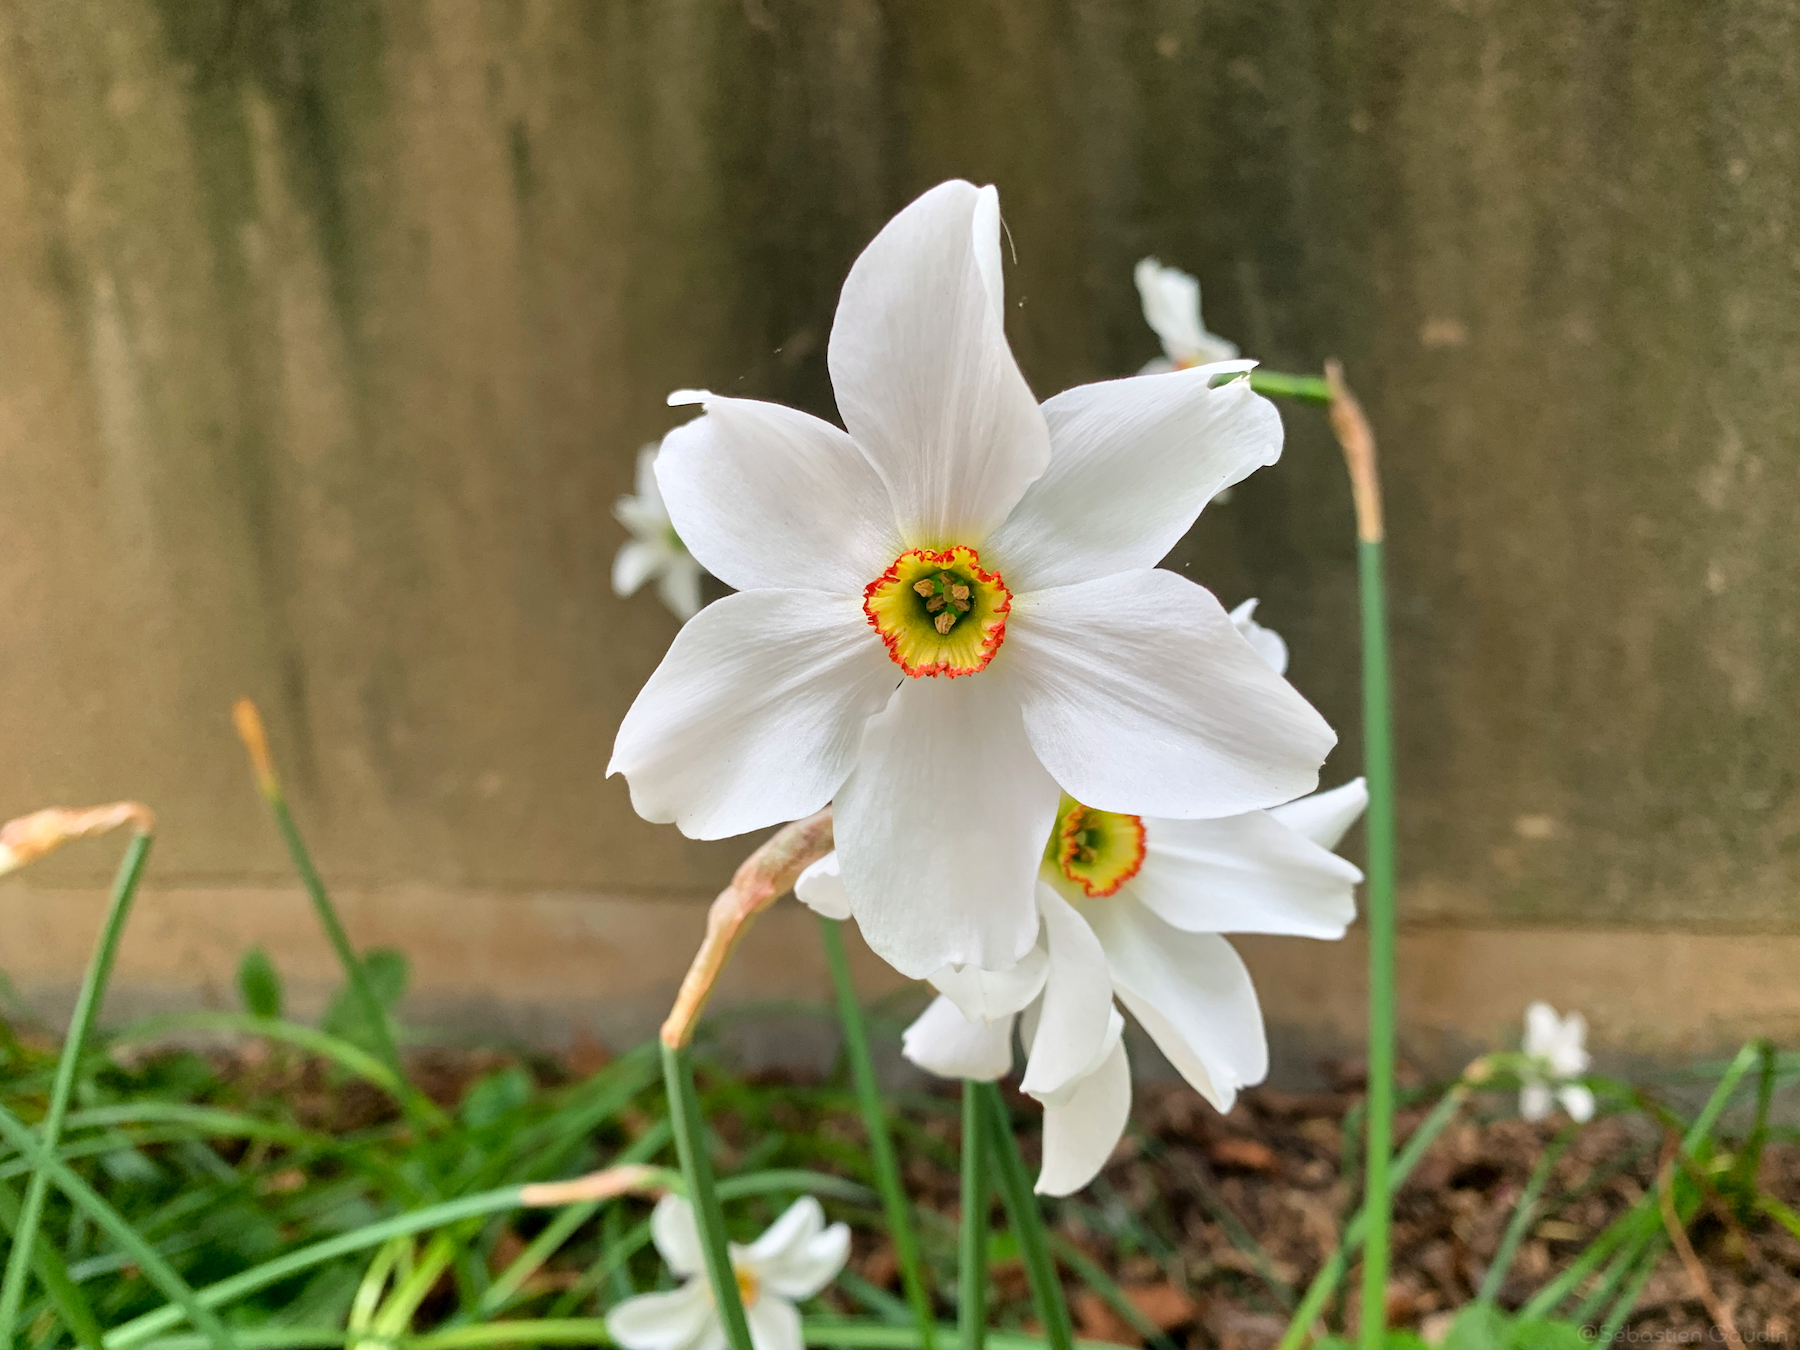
[1378,754]
[1628,1300]
[87,1007]
[881,1142]
[1523,1214]
[157,1270]
[696,1170]
[1325,1283]
[1305,388]
[1027,1222]
[972,1251]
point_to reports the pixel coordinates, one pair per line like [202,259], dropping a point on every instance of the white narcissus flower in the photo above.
[1171,300]
[951,614]
[1133,907]
[796,1258]
[1557,1049]
[654,550]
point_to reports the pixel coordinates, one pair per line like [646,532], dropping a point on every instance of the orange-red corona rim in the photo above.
[939,612]
[1097,850]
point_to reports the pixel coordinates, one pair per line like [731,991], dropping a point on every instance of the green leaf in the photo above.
[259,984]
[494,1097]
[1548,1335]
[1484,1327]
[387,972]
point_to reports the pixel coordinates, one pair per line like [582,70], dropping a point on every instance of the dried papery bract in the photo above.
[762,879]
[608,1184]
[29,838]
[1358,441]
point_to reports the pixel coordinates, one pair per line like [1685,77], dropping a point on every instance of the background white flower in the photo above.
[1171,300]
[1003,552]
[654,550]
[1557,1048]
[796,1258]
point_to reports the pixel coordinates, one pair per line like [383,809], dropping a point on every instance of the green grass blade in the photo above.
[1523,1213]
[1305,388]
[1027,1221]
[141,1329]
[1325,1283]
[1109,1289]
[158,1271]
[846,1333]
[71,1304]
[972,1249]
[881,1143]
[87,1007]
[696,1170]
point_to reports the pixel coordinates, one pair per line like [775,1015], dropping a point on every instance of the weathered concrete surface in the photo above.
[331,329]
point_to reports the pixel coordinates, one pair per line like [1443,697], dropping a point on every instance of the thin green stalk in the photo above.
[1095,1278]
[1628,1300]
[612,1267]
[1027,1222]
[1326,1281]
[157,1270]
[972,1250]
[250,729]
[881,1143]
[1523,1214]
[1378,754]
[1305,388]
[87,1007]
[696,1170]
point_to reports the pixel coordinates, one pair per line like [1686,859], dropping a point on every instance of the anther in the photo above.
[925,587]
[944,622]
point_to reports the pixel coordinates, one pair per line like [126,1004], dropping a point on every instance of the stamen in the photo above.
[944,622]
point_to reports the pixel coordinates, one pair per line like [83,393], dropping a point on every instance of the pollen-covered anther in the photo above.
[940,613]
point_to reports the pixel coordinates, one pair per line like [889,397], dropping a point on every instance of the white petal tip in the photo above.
[682,398]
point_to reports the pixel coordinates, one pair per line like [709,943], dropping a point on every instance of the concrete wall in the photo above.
[330,330]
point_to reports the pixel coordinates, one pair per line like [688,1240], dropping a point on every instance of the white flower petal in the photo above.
[1325,816]
[1265,642]
[942,1041]
[635,563]
[1081,1131]
[803,1219]
[821,889]
[677,1236]
[1542,1027]
[1077,1005]
[1243,874]
[924,379]
[940,828]
[774,1324]
[755,714]
[1534,1101]
[676,1320]
[983,995]
[679,587]
[1578,1101]
[645,477]
[805,1261]
[1132,461]
[1140,696]
[1171,300]
[767,496]
[1191,993]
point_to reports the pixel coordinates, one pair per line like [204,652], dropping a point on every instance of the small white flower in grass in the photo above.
[1132,907]
[1556,1048]
[951,614]
[796,1258]
[654,551]
[1171,301]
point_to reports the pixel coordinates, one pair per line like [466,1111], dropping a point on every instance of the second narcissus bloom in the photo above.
[949,614]
[1557,1051]
[796,1258]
